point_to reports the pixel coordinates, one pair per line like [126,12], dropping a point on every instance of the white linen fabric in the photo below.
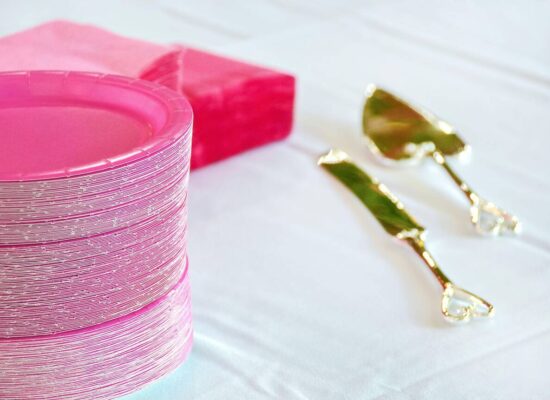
[298,293]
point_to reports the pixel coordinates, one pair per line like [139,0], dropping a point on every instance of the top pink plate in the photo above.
[57,124]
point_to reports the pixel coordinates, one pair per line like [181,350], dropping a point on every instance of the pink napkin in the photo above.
[237,106]
[64,45]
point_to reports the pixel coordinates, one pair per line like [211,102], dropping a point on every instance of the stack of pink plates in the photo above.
[94,288]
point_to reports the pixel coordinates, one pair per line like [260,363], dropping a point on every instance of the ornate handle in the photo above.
[457,305]
[487,218]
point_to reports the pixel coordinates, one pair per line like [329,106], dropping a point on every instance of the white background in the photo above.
[298,292]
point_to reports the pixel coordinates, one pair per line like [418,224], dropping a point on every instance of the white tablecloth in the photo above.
[298,292]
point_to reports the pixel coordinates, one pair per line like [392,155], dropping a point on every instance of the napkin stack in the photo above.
[237,106]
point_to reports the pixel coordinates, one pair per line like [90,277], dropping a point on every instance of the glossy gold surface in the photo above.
[457,304]
[376,197]
[399,132]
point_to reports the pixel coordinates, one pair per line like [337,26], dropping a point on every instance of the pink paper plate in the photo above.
[104,361]
[64,124]
[93,185]
[94,288]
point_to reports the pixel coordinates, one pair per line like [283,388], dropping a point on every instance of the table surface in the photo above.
[298,293]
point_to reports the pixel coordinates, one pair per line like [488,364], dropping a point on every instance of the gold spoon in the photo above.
[457,304]
[399,132]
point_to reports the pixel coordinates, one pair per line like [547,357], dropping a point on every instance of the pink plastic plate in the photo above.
[57,124]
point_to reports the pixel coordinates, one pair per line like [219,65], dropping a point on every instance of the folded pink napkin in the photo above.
[237,106]
[64,45]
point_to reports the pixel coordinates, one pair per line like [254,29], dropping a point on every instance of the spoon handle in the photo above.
[419,246]
[487,218]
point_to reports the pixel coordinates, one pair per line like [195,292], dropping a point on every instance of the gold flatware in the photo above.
[399,132]
[457,304]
